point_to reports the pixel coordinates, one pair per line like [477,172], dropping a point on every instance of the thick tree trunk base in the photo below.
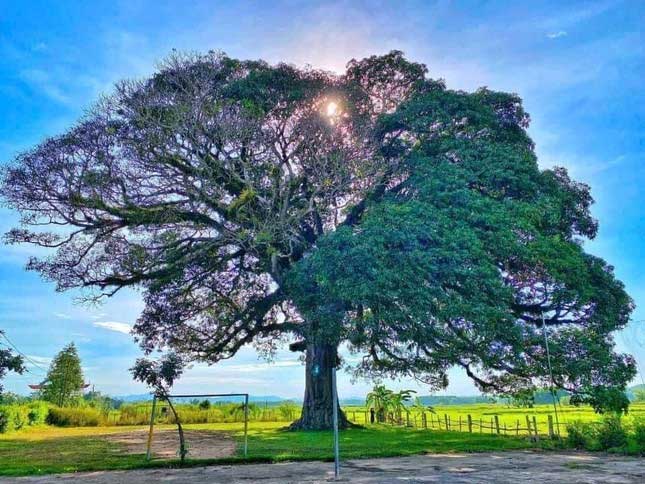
[317,407]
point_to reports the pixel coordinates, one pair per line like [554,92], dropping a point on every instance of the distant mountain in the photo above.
[139,397]
[453,399]
[631,391]
[145,397]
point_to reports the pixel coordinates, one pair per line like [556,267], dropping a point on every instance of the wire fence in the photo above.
[530,425]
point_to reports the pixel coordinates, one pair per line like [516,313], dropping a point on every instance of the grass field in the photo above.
[43,450]
[46,449]
[507,416]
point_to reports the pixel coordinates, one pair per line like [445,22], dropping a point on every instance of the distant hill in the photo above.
[145,397]
[453,399]
[631,391]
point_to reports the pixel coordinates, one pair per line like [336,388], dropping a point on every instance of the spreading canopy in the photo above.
[412,221]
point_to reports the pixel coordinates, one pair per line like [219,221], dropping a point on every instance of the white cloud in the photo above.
[42,81]
[41,360]
[557,35]
[62,316]
[114,326]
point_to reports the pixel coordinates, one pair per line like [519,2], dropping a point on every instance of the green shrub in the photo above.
[639,433]
[13,417]
[74,417]
[37,413]
[580,435]
[4,421]
[611,433]
[289,410]
[134,415]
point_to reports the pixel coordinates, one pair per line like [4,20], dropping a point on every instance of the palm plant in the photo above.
[380,399]
[398,402]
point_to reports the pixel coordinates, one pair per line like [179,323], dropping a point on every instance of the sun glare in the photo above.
[332,109]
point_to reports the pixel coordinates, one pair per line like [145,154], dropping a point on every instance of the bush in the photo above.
[580,435]
[37,413]
[289,410]
[13,417]
[4,421]
[639,434]
[611,434]
[74,417]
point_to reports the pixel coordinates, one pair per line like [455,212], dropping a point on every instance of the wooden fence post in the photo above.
[528,425]
[470,424]
[445,419]
[535,428]
[460,423]
[550,422]
[481,427]
[517,427]
[407,418]
[424,420]
[497,424]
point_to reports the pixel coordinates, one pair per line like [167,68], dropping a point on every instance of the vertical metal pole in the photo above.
[335,412]
[246,424]
[152,422]
[553,391]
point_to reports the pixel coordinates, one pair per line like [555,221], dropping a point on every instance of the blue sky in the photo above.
[579,67]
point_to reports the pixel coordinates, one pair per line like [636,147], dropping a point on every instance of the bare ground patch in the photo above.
[202,444]
[524,467]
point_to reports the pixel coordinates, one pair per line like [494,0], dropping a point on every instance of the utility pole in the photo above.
[335,418]
[553,392]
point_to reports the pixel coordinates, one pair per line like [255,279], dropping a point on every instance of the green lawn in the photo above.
[509,417]
[49,450]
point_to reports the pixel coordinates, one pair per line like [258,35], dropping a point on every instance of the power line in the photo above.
[26,357]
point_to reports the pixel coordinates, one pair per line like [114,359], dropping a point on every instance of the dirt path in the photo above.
[202,444]
[507,467]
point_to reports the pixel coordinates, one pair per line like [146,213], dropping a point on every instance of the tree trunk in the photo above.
[317,411]
[183,451]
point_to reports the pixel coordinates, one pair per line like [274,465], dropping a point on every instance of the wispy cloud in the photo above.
[114,326]
[62,316]
[557,35]
[42,81]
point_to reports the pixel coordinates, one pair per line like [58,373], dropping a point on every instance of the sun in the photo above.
[332,109]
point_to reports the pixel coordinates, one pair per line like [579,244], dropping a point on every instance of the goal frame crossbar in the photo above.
[201,395]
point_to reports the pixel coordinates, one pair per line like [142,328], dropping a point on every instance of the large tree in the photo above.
[211,186]
[64,383]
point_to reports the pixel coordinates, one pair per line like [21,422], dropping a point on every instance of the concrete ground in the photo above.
[507,467]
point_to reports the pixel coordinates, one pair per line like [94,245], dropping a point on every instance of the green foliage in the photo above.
[289,410]
[19,415]
[608,434]
[580,434]
[611,434]
[38,412]
[638,427]
[74,417]
[64,382]
[99,401]
[9,362]
[379,399]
